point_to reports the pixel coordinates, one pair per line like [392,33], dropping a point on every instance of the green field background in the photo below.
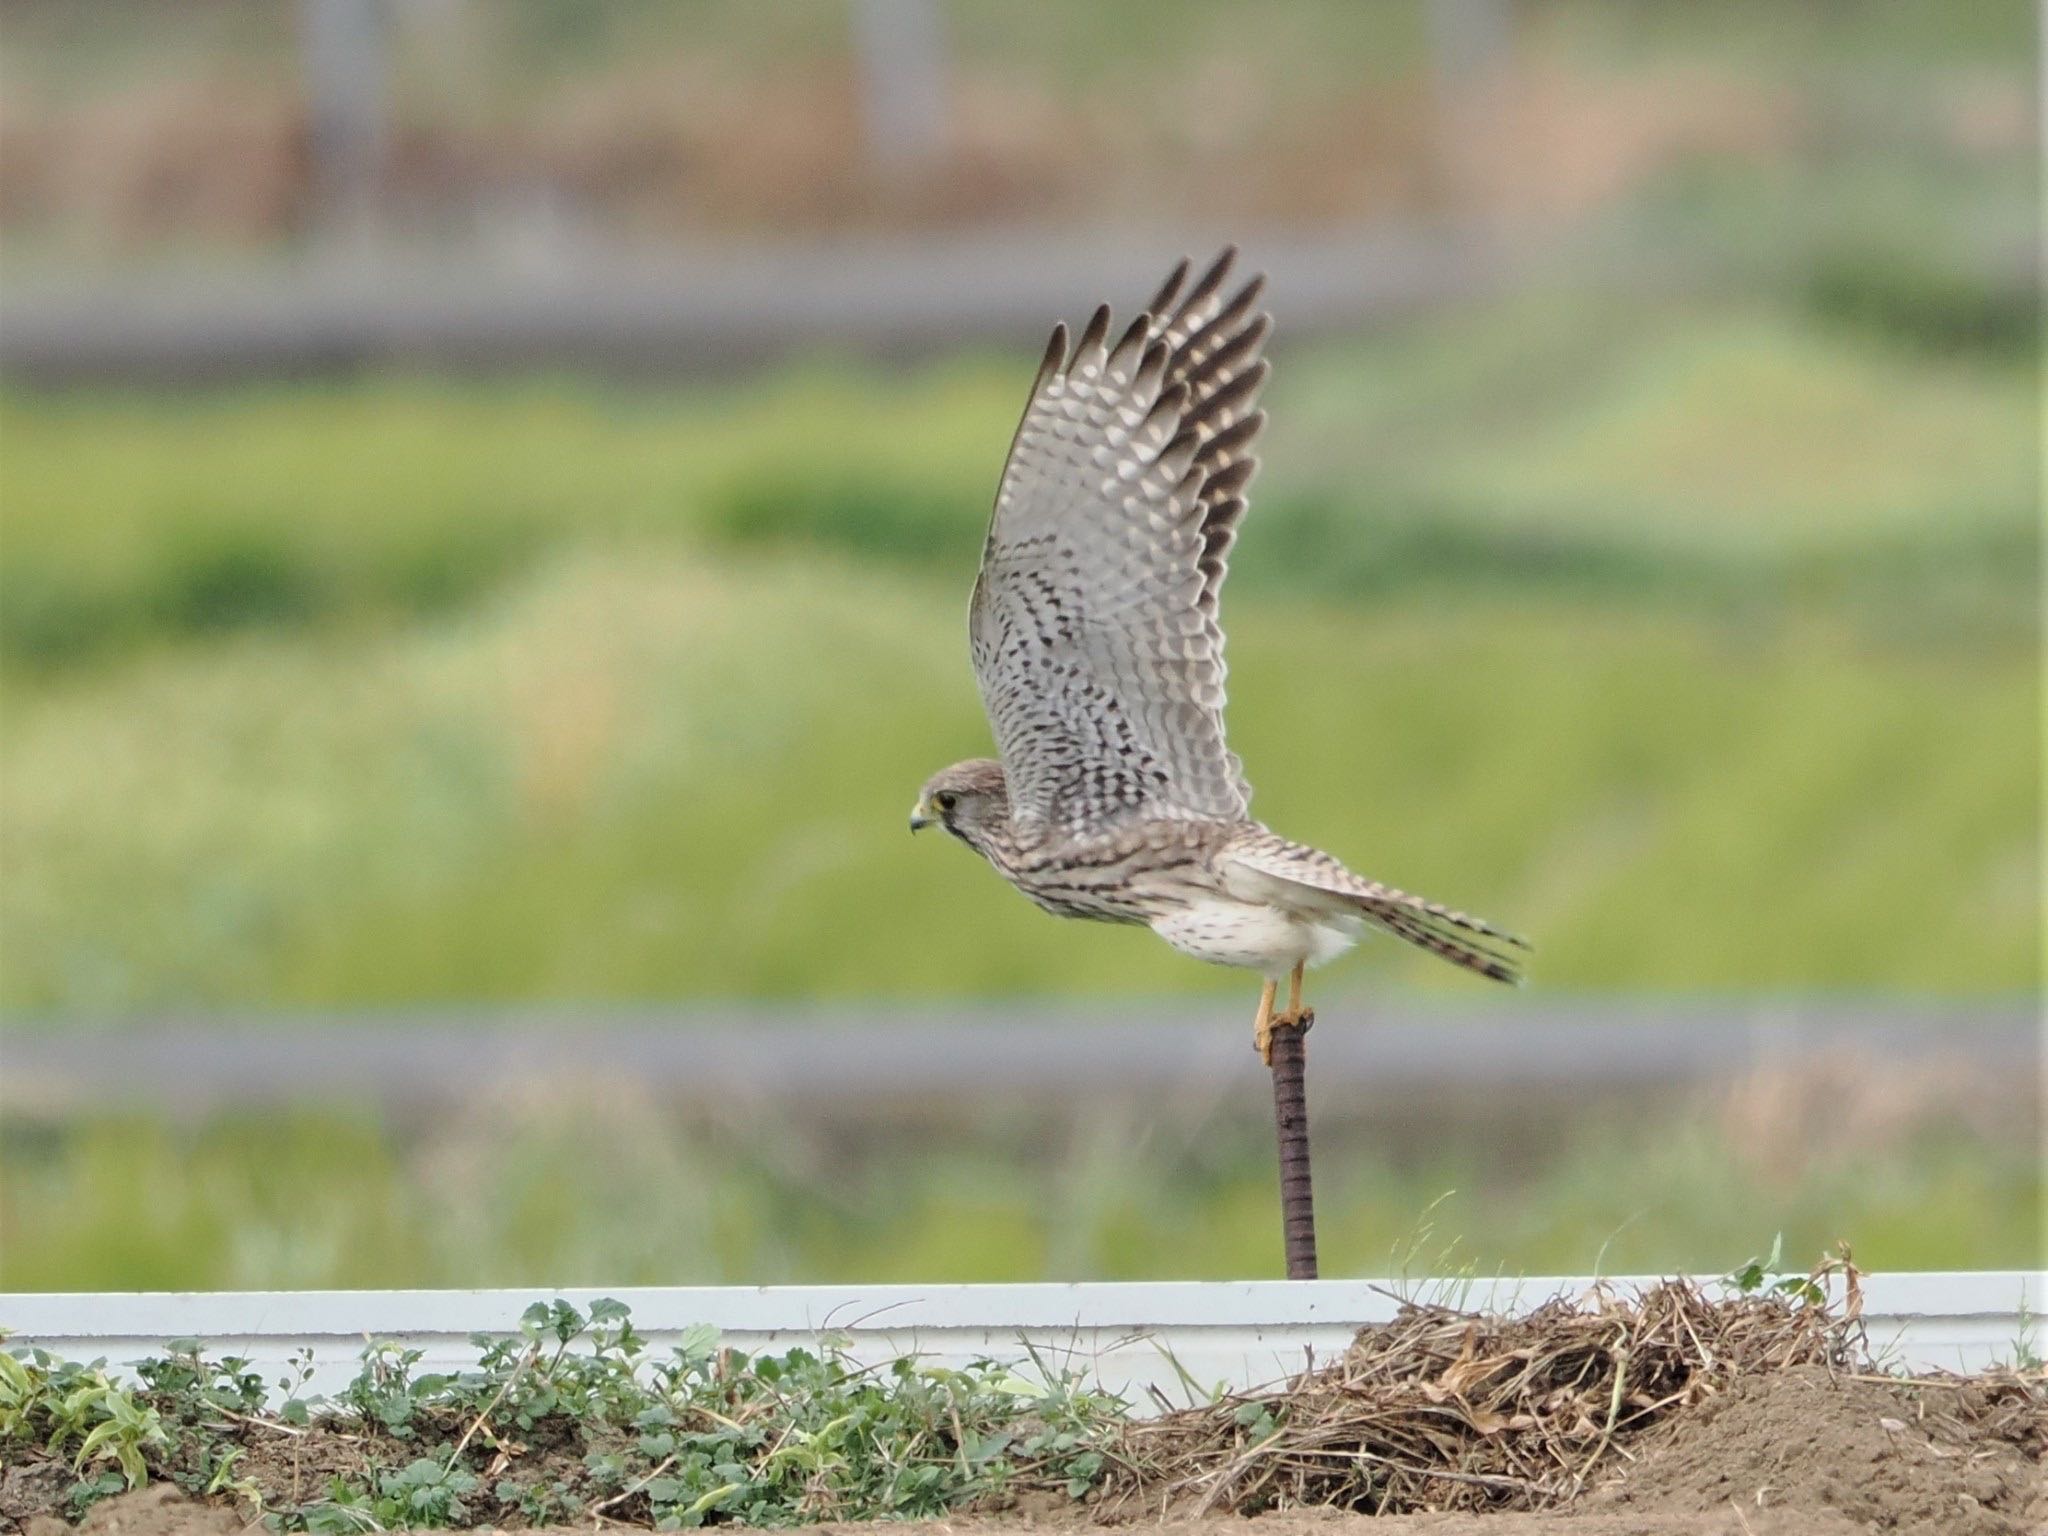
[1687,622]
[411,690]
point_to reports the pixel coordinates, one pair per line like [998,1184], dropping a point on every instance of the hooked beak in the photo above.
[921,817]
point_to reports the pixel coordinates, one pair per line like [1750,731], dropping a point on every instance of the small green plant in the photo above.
[2026,1353]
[344,1511]
[195,1386]
[573,1415]
[424,1493]
[111,1425]
[1767,1275]
[386,1394]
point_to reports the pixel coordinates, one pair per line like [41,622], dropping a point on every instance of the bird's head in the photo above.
[968,799]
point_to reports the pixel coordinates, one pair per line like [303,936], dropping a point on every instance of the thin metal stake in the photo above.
[1290,1120]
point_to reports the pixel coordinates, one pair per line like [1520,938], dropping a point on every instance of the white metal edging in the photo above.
[1127,1336]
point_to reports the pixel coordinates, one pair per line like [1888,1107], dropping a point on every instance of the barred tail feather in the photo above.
[1452,935]
[1454,943]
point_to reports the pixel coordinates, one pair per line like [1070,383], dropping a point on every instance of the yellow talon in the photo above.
[1262,1026]
[1296,1015]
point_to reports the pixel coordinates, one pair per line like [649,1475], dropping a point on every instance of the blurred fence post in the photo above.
[344,45]
[1469,42]
[902,52]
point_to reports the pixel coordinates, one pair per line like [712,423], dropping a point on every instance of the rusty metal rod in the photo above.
[1290,1121]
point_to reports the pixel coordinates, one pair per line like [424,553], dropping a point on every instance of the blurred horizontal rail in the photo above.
[1147,1341]
[873,1053]
[711,310]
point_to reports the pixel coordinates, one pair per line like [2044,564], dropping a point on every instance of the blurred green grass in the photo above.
[1697,637]
[640,775]
[1564,444]
[132,518]
[1684,640]
[555,1187]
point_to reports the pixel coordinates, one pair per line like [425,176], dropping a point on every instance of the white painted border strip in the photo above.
[1239,1334]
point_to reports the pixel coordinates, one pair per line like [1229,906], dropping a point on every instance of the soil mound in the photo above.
[1938,1456]
[1749,1409]
[159,1510]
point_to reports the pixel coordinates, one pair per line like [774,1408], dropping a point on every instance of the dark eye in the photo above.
[945,800]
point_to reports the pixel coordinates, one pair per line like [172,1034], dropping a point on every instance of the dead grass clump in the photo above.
[1442,1409]
[2007,1405]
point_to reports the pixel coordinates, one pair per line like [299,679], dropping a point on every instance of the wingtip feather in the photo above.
[1098,329]
[1211,280]
[1163,299]
[1055,351]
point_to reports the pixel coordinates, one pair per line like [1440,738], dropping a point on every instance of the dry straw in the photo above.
[1442,1409]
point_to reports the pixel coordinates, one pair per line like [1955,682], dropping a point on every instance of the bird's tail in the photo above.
[1452,935]
[1463,940]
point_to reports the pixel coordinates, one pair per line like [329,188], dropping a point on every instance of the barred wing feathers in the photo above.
[1093,625]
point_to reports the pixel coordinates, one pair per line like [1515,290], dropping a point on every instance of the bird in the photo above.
[1096,645]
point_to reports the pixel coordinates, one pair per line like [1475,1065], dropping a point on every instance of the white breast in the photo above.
[1256,936]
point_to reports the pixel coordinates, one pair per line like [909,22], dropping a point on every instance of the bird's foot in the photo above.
[1303,1019]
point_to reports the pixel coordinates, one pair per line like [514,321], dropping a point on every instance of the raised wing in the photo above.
[1093,624]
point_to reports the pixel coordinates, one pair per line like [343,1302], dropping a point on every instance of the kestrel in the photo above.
[1100,660]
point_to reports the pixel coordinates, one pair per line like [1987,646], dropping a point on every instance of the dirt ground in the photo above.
[1803,1450]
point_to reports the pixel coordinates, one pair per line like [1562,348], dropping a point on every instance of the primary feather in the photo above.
[1094,631]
